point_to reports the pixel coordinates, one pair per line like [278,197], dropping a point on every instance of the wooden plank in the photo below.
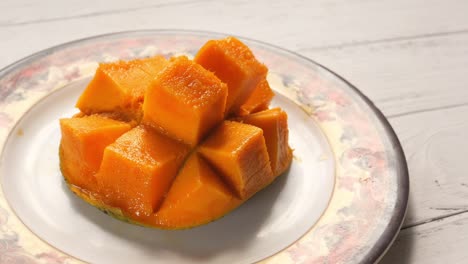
[400,76]
[404,76]
[443,241]
[323,22]
[294,24]
[436,148]
[32,11]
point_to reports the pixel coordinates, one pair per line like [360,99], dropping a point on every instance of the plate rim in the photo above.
[390,232]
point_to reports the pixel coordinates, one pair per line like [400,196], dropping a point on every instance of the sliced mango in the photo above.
[152,65]
[151,145]
[119,86]
[197,196]
[138,168]
[234,63]
[185,101]
[239,153]
[82,146]
[259,99]
[274,123]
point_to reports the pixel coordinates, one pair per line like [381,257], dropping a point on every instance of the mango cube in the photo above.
[138,169]
[152,65]
[233,63]
[82,146]
[119,86]
[185,101]
[274,123]
[258,100]
[239,153]
[197,196]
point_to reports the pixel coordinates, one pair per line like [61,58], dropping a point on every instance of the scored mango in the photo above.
[198,182]
[239,152]
[82,146]
[138,168]
[120,86]
[152,146]
[259,99]
[235,64]
[274,123]
[151,66]
[185,101]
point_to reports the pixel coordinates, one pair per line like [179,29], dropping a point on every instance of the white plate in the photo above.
[269,222]
[362,156]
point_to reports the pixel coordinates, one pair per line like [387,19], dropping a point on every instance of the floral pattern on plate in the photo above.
[371,190]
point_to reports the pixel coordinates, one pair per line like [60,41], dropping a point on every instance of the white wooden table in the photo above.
[409,57]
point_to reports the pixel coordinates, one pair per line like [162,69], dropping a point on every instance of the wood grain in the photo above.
[405,76]
[34,12]
[436,149]
[409,57]
[295,24]
[437,242]
[343,21]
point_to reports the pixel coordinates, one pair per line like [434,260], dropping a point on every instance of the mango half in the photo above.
[175,143]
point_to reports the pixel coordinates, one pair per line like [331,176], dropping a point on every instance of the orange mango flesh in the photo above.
[197,196]
[138,168]
[185,101]
[82,146]
[258,100]
[160,152]
[233,63]
[274,123]
[119,86]
[152,65]
[239,153]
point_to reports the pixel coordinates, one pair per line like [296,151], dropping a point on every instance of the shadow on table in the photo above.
[401,250]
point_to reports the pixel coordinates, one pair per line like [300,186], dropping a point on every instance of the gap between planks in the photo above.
[426,110]
[99,13]
[434,219]
[386,40]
